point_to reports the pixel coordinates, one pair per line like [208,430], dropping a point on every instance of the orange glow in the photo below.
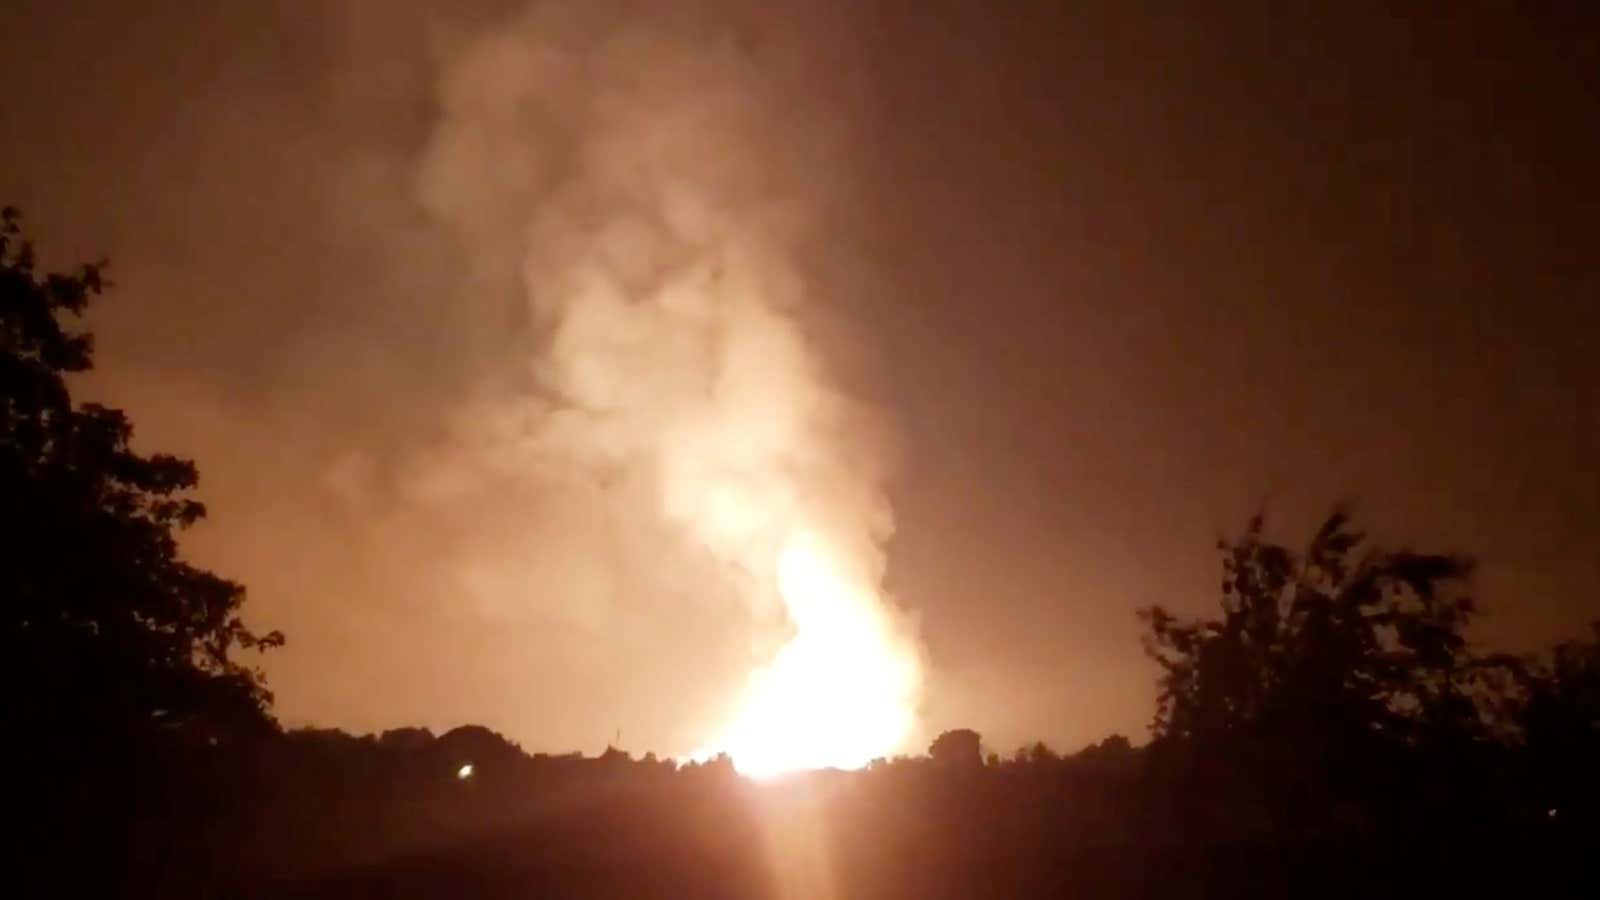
[841,692]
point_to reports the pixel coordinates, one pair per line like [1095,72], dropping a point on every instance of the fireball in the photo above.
[841,692]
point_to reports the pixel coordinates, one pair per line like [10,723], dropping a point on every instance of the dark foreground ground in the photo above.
[329,816]
[798,858]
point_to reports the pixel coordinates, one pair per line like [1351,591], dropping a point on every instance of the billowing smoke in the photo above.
[644,177]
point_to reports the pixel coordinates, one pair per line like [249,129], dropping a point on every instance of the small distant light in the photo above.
[464,772]
[1552,812]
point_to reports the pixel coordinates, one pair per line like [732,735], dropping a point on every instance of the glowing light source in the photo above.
[841,691]
[465,772]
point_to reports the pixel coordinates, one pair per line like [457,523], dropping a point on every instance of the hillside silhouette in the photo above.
[1328,731]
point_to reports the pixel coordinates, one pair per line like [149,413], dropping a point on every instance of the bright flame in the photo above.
[841,691]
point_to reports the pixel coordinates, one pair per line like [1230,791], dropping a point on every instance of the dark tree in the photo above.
[960,747]
[1560,723]
[405,738]
[1114,753]
[1037,753]
[1370,641]
[1325,668]
[107,632]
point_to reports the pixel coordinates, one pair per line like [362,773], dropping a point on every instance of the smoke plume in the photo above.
[646,180]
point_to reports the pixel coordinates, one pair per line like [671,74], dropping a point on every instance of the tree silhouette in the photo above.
[1370,642]
[959,747]
[108,633]
[1560,723]
[1323,669]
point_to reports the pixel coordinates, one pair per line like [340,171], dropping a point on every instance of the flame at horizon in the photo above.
[840,693]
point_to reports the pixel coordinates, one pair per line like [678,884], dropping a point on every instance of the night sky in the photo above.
[1099,284]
